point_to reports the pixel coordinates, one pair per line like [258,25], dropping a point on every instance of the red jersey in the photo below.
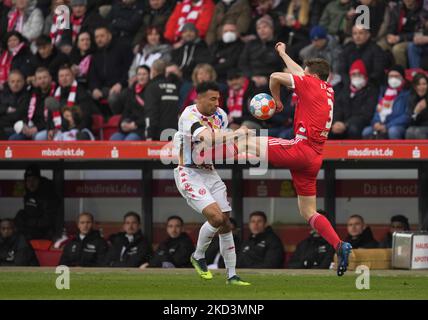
[314,111]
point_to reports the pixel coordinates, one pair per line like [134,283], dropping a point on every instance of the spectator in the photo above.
[226,51]
[240,92]
[197,12]
[362,47]
[69,93]
[16,56]
[41,217]
[263,249]
[213,255]
[263,8]
[155,16]
[237,12]
[376,16]
[125,19]
[71,126]
[192,52]
[174,74]
[359,234]
[24,18]
[202,73]
[14,101]
[14,248]
[259,58]
[87,248]
[418,102]
[294,29]
[175,251]
[326,47]
[354,107]
[129,248]
[81,20]
[132,124]
[417,49]
[151,49]
[161,102]
[398,223]
[35,122]
[49,56]
[106,82]
[391,117]
[50,25]
[312,253]
[81,58]
[333,17]
[404,18]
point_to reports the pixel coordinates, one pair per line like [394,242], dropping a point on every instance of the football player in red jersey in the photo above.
[303,154]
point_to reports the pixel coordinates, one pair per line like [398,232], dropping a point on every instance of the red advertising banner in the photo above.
[109,150]
[390,188]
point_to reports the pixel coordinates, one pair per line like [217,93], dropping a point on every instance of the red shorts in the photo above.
[302,160]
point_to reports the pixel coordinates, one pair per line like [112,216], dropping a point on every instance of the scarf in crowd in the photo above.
[16,21]
[137,90]
[33,104]
[76,25]
[189,14]
[55,33]
[71,96]
[384,107]
[84,65]
[235,100]
[6,61]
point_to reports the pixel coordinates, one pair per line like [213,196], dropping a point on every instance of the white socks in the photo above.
[227,250]
[206,235]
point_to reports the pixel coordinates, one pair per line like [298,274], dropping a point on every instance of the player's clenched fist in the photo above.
[280,47]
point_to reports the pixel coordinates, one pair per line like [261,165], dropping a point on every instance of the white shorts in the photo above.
[201,187]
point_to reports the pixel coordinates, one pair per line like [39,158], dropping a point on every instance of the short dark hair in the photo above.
[65,66]
[357,216]
[10,220]
[103,26]
[132,214]
[145,67]
[42,69]
[259,214]
[402,219]
[320,67]
[87,214]
[206,86]
[43,40]
[175,218]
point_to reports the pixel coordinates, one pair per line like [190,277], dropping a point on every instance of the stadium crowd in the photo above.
[133,64]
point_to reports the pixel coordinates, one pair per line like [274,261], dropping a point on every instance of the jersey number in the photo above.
[330,120]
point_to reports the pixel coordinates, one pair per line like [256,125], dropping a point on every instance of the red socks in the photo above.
[325,230]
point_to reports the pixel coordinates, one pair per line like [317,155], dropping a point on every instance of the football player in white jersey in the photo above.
[201,127]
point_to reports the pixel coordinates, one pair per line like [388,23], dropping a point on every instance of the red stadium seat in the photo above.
[41,244]
[48,258]
[410,73]
[111,127]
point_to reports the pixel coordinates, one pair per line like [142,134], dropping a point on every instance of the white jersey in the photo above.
[190,124]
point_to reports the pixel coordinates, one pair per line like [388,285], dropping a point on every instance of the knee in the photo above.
[396,133]
[219,220]
[354,131]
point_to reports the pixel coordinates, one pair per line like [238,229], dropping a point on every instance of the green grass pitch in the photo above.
[39,283]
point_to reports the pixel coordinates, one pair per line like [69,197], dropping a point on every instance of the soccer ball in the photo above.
[262,106]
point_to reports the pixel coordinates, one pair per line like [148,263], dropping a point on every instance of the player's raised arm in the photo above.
[292,66]
[276,80]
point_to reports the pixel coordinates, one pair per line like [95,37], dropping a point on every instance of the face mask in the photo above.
[229,37]
[227,2]
[358,82]
[394,82]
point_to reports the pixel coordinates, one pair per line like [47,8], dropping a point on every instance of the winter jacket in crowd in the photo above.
[174,252]
[16,251]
